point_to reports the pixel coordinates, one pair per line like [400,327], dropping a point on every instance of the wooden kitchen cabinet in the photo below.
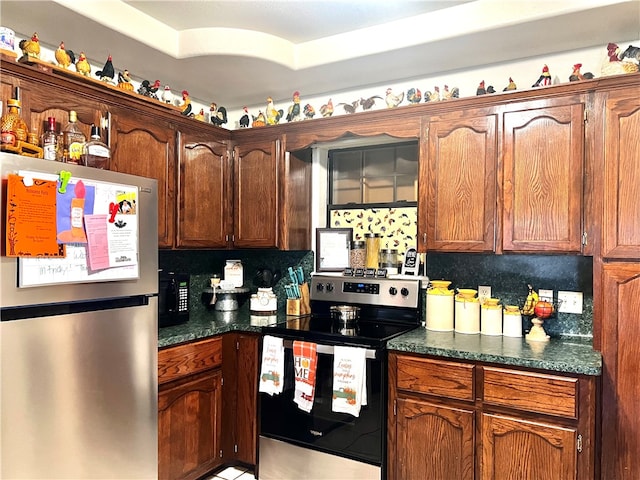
[457,188]
[470,420]
[145,146]
[257,177]
[621,168]
[190,409]
[542,164]
[204,191]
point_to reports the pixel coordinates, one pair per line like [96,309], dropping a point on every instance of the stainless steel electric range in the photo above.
[324,444]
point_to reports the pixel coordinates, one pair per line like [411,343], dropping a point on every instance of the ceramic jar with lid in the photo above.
[439,308]
[491,317]
[512,321]
[467,311]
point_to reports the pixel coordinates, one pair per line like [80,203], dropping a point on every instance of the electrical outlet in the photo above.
[484,291]
[546,295]
[570,302]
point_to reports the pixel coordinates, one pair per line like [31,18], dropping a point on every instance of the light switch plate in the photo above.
[570,302]
[546,295]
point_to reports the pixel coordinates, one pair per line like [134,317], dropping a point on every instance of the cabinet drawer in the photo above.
[532,392]
[176,362]
[444,379]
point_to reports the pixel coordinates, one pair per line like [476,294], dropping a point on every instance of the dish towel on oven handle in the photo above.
[349,379]
[305,360]
[272,370]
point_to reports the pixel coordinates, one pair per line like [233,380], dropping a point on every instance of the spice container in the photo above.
[357,254]
[388,259]
[373,248]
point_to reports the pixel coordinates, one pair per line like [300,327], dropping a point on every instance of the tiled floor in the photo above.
[233,473]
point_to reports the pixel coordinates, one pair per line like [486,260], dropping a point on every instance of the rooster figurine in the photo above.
[186,104]
[31,48]
[124,81]
[107,73]
[167,96]
[511,86]
[82,65]
[258,121]
[432,96]
[368,103]
[414,95]
[308,111]
[613,65]
[146,89]
[244,119]
[199,115]
[481,90]
[448,95]
[393,100]
[64,57]
[544,79]
[326,110]
[576,76]
[217,115]
[350,107]
[273,115]
[294,113]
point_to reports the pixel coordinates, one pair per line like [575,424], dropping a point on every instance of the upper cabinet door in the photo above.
[204,203]
[256,178]
[457,183]
[543,156]
[144,146]
[621,235]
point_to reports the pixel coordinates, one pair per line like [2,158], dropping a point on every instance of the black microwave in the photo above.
[173,298]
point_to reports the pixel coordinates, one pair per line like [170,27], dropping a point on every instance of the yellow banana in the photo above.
[530,303]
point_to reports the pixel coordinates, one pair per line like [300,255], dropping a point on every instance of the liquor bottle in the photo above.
[96,153]
[49,140]
[73,140]
[13,127]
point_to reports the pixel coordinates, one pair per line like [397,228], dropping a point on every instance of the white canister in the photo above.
[439,308]
[233,273]
[467,315]
[491,319]
[512,322]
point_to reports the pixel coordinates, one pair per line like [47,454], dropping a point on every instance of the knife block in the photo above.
[305,305]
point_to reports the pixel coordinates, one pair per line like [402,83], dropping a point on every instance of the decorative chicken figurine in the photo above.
[258,121]
[294,113]
[510,86]
[124,80]
[148,90]
[64,57]
[613,65]
[481,90]
[414,95]
[186,103]
[368,103]
[273,115]
[350,107]
[244,119]
[167,96]
[448,95]
[576,76]
[31,48]
[308,111]
[82,65]
[326,110]
[107,73]
[199,115]
[217,115]
[544,79]
[432,96]
[392,99]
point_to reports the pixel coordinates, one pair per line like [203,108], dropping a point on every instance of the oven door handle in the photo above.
[328,349]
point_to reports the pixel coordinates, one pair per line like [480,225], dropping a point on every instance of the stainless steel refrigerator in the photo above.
[79,358]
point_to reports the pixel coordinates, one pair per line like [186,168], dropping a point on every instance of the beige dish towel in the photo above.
[349,379]
[272,371]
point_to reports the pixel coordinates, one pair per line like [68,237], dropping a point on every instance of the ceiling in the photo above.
[238,52]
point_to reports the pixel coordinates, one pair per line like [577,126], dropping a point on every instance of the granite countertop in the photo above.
[212,322]
[558,354]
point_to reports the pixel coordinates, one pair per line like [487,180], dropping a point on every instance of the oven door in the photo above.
[288,433]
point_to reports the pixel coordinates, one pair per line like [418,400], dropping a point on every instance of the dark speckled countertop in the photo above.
[558,354]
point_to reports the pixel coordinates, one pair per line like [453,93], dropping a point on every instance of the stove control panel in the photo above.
[372,291]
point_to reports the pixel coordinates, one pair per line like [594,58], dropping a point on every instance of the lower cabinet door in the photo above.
[433,441]
[189,420]
[515,448]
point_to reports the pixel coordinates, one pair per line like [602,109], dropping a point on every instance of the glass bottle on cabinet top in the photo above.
[73,140]
[49,140]
[96,153]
